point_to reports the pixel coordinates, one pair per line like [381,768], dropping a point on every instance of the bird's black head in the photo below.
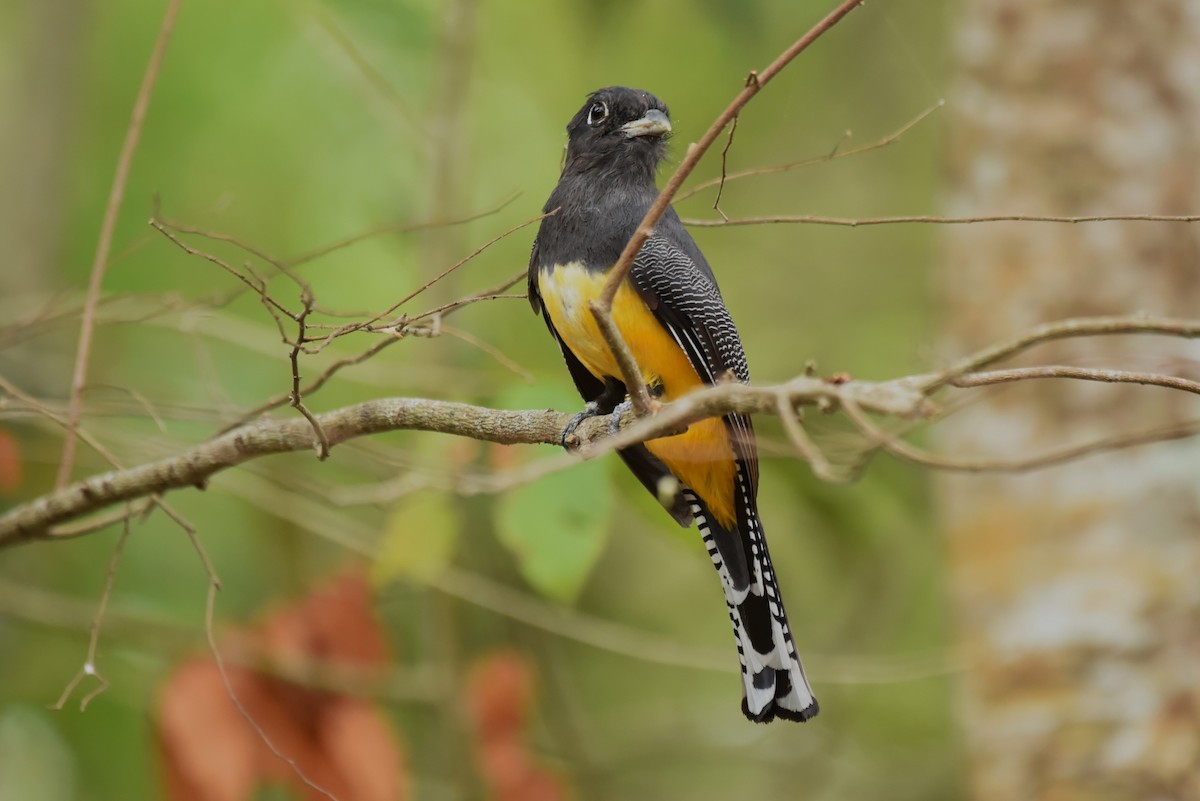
[620,130]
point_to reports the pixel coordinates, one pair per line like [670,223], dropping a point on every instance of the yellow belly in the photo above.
[702,456]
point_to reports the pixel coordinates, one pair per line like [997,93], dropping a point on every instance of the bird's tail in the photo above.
[774,684]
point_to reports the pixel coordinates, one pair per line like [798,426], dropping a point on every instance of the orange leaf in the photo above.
[10,464]
[361,749]
[341,743]
[499,692]
[499,689]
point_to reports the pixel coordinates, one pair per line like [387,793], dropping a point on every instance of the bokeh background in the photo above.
[568,614]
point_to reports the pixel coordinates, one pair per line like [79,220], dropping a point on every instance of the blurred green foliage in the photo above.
[418,539]
[293,125]
[555,526]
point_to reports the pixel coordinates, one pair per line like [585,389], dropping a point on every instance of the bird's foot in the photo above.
[569,440]
[614,422]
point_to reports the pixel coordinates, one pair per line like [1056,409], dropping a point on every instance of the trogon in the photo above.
[672,316]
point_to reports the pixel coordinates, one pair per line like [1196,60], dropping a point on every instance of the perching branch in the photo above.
[57,514]
[39,518]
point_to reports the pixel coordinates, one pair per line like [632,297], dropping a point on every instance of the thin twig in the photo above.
[904,450]
[835,153]
[394,227]
[16,333]
[89,665]
[635,385]
[296,396]
[804,445]
[257,285]
[1062,329]
[856,222]
[317,383]
[446,308]
[378,81]
[603,307]
[1081,373]
[193,536]
[394,334]
[359,326]
[139,398]
[724,162]
[754,83]
[216,236]
[490,349]
[100,522]
[59,419]
[104,244]
[420,683]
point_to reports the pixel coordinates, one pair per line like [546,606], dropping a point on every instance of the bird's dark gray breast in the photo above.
[592,223]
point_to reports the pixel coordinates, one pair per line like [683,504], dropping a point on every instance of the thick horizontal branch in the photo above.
[195,466]
[192,468]
[60,514]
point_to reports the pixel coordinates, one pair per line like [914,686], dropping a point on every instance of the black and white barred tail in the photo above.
[773,680]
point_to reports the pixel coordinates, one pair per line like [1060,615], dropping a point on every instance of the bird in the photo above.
[672,316]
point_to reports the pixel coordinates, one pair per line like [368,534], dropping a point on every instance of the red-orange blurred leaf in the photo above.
[361,749]
[334,624]
[341,743]
[10,464]
[499,692]
[209,753]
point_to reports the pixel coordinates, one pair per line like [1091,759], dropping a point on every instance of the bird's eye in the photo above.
[598,113]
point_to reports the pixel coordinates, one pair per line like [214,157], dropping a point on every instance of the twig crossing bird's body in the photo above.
[674,320]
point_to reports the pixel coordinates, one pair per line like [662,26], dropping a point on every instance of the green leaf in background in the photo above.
[34,760]
[557,525]
[418,540]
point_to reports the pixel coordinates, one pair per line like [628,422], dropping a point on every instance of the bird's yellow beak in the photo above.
[655,123]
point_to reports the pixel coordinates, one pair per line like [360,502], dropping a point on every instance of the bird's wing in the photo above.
[535,297]
[686,301]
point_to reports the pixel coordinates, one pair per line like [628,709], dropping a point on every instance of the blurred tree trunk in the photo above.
[1076,589]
